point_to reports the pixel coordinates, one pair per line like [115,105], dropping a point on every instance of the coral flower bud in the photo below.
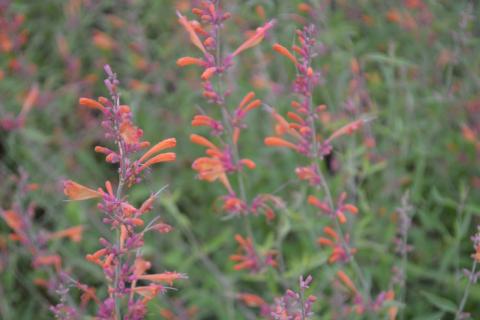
[74,233]
[167,277]
[255,39]
[249,96]
[90,103]
[198,139]
[163,157]
[191,32]
[251,300]
[186,61]
[249,163]
[278,142]
[208,73]
[164,144]
[346,281]
[253,105]
[76,191]
[285,52]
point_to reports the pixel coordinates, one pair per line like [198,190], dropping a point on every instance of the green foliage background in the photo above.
[419,109]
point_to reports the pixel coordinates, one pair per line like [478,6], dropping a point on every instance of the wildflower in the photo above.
[167,277]
[76,191]
[203,120]
[339,212]
[250,260]
[46,260]
[285,52]
[339,251]
[251,300]
[255,39]
[191,32]
[345,280]
[74,233]
[90,103]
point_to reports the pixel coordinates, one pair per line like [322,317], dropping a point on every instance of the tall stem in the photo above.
[458,316]
[121,183]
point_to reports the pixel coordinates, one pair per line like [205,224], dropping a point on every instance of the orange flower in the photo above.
[162,157]
[211,169]
[255,39]
[186,61]
[74,233]
[95,257]
[346,281]
[279,142]
[208,73]
[167,277]
[76,191]
[148,292]
[54,260]
[103,41]
[164,144]
[285,52]
[90,103]
[30,100]
[191,32]
[251,300]
[346,129]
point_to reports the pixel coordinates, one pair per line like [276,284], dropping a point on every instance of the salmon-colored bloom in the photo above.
[255,39]
[208,73]
[339,252]
[90,103]
[76,191]
[204,120]
[103,41]
[213,167]
[186,61]
[166,277]
[148,292]
[250,260]
[74,233]
[347,129]
[285,52]
[342,276]
[162,145]
[279,142]
[48,260]
[191,32]
[251,300]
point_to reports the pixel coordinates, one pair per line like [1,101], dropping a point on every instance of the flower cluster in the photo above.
[301,134]
[51,273]
[120,257]
[223,159]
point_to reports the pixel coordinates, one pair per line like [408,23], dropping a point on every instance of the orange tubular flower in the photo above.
[148,292]
[74,233]
[90,103]
[76,191]
[191,32]
[346,129]
[208,73]
[285,52]
[198,139]
[54,260]
[186,61]
[211,169]
[346,281]
[166,277]
[279,142]
[255,39]
[162,145]
[251,300]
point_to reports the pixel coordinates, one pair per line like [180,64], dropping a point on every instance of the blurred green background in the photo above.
[421,67]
